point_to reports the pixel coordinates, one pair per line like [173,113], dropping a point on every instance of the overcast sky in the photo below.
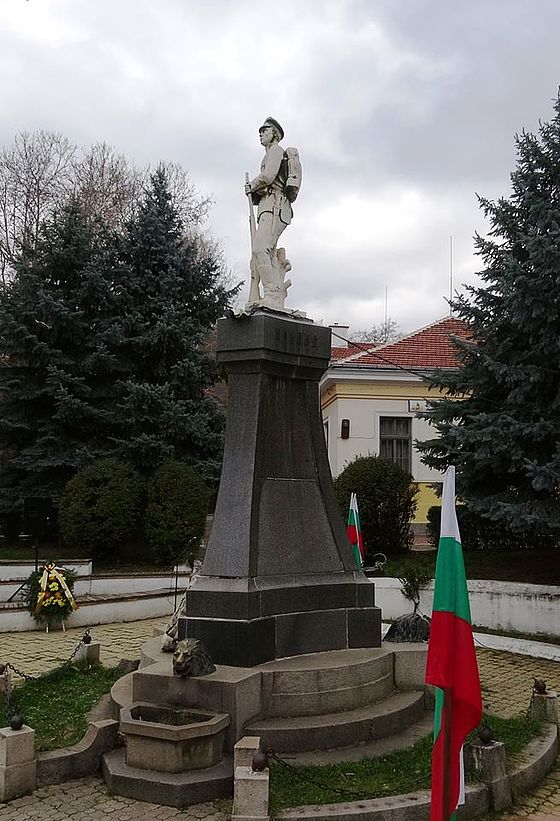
[402,111]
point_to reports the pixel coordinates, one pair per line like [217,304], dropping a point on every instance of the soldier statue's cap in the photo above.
[276,124]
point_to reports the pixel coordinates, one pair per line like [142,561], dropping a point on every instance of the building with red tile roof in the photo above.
[371,395]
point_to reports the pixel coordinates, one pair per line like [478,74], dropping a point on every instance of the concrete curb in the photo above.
[539,755]
[83,758]
[409,807]
[523,647]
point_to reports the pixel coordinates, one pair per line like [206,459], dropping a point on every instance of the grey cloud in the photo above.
[393,96]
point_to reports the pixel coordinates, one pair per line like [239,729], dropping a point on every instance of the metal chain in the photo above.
[327,787]
[8,705]
[19,673]
[86,639]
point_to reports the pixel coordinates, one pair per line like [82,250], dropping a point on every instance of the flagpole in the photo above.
[447,701]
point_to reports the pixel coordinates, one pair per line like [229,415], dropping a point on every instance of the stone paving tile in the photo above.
[507,681]
[36,652]
[97,804]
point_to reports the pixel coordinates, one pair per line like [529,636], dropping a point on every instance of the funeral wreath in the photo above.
[49,594]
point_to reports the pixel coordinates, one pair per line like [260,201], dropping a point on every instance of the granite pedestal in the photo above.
[278,577]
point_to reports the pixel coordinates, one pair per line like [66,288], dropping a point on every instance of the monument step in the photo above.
[328,670]
[323,732]
[329,701]
[170,789]
[328,682]
[372,749]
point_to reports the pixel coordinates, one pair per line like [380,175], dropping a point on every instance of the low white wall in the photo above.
[521,608]
[111,585]
[101,612]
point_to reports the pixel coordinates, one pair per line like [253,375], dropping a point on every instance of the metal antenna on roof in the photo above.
[450,273]
[386,289]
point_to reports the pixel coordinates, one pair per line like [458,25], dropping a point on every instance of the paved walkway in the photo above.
[507,681]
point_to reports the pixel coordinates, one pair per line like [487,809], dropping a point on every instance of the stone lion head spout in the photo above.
[191,659]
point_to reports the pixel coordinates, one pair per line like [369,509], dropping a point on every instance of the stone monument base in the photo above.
[278,578]
[257,620]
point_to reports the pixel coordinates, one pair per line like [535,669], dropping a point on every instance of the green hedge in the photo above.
[478,533]
[100,508]
[176,513]
[386,500]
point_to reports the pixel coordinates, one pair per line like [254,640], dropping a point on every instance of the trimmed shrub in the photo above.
[176,513]
[479,533]
[386,500]
[100,507]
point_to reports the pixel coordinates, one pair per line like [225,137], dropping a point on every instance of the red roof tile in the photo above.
[428,348]
[342,353]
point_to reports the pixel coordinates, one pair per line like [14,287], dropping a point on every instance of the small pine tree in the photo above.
[504,434]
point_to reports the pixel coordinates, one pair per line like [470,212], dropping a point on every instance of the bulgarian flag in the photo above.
[354,532]
[451,665]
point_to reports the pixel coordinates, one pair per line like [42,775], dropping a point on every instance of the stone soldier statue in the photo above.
[272,191]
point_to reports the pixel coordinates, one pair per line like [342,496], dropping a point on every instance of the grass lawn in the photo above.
[56,704]
[399,772]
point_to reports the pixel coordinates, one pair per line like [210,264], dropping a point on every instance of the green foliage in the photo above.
[100,508]
[396,773]
[514,733]
[171,296]
[56,377]
[411,564]
[412,582]
[386,500]
[480,533]
[56,704]
[55,605]
[504,434]
[102,348]
[176,513]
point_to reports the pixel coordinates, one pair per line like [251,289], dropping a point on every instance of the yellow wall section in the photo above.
[377,390]
[425,500]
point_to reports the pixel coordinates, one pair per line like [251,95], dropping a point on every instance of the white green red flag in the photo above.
[451,665]
[354,531]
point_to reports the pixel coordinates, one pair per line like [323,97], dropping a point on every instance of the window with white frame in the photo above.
[395,440]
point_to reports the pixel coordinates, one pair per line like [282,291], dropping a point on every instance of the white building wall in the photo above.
[364,414]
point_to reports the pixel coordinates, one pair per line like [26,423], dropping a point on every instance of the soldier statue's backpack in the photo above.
[293,173]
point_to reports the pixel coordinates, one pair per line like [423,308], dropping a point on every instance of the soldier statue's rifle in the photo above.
[254,295]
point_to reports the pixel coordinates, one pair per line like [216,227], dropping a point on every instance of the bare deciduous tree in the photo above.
[386,331]
[191,207]
[106,184]
[36,175]
[41,170]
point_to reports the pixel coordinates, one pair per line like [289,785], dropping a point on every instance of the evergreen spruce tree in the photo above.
[102,349]
[504,433]
[170,299]
[55,371]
